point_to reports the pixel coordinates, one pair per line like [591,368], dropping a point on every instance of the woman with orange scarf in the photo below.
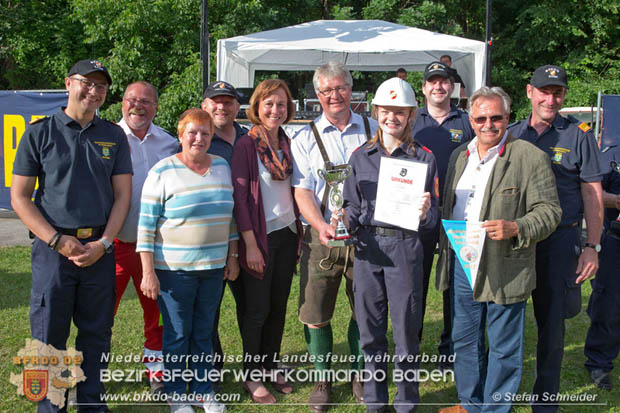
[268,221]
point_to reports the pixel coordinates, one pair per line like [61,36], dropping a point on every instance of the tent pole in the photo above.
[204,44]
[488,45]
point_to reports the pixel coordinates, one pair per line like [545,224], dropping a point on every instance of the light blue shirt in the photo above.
[307,159]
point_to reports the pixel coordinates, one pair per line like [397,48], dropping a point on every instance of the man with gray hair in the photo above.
[328,140]
[507,184]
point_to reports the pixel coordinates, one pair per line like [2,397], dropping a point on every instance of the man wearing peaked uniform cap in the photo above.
[562,262]
[221,101]
[84,171]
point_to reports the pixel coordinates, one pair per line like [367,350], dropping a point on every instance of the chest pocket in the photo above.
[509,198]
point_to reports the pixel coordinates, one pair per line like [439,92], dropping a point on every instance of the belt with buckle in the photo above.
[82,233]
[391,232]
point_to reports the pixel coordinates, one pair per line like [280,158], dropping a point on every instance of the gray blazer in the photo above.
[521,188]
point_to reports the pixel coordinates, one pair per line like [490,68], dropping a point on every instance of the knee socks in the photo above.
[320,342]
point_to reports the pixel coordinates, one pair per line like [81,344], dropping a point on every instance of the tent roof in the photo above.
[366,45]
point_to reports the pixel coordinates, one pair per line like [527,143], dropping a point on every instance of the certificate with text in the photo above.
[400,187]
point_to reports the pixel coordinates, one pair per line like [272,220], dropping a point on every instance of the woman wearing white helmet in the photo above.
[388,259]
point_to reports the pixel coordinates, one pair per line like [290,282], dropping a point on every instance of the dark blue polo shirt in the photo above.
[574,158]
[611,178]
[360,188]
[442,139]
[74,167]
[224,149]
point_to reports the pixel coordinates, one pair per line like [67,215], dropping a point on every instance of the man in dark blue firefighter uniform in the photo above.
[603,339]
[84,171]
[561,262]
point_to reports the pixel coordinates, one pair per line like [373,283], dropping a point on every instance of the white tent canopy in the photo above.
[365,45]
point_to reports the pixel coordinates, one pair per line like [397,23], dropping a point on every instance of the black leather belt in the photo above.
[82,233]
[392,232]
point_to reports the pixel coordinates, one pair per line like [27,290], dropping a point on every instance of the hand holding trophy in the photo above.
[334,176]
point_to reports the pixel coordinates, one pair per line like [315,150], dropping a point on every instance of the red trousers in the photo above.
[128,266]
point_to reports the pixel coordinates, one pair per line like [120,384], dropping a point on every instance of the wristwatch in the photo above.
[107,245]
[595,247]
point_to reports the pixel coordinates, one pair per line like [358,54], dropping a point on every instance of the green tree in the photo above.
[159,41]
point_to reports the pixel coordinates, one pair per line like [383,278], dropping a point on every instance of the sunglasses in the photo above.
[481,120]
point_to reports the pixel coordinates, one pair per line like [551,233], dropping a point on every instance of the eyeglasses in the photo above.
[89,84]
[341,90]
[481,120]
[134,101]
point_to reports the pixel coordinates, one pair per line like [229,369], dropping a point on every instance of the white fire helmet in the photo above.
[395,92]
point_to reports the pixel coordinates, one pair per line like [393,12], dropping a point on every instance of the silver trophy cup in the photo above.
[333,177]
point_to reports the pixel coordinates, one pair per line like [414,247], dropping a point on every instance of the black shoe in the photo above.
[320,397]
[600,379]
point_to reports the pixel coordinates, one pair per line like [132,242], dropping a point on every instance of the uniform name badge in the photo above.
[467,241]
[400,187]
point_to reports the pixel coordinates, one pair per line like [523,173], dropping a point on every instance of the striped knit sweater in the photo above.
[186,218]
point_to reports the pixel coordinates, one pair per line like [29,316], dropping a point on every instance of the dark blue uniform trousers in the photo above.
[485,380]
[389,269]
[62,291]
[555,299]
[603,339]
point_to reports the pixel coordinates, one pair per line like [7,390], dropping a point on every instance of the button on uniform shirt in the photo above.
[74,166]
[472,185]
[574,157]
[307,159]
[156,145]
[442,139]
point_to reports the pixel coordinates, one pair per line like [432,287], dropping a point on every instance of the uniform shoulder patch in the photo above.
[584,127]
[38,119]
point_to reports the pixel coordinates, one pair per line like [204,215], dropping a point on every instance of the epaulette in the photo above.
[584,127]
[605,149]
[37,120]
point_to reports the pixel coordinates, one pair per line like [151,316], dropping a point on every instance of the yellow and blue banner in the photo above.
[17,110]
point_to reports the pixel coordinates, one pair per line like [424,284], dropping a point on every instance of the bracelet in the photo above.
[55,244]
[54,240]
[233,254]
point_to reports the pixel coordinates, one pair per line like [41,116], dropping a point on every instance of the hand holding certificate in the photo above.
[400,193]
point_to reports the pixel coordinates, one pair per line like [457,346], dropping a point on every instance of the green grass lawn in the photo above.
[128,338]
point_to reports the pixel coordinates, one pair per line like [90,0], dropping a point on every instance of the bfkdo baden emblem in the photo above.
[35,384]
